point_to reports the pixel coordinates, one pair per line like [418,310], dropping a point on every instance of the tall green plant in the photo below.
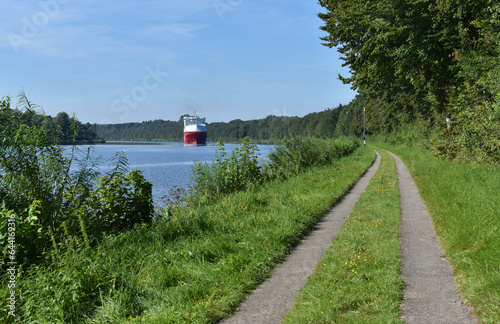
[49,197]
[33,171]
[120,201]
[226,174]
[298,153]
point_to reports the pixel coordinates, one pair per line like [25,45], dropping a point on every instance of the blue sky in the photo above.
[130,61]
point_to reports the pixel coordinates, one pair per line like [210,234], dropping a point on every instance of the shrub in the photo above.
[120,201]
[226,174]
[49,197]
[298,153]
[240,170]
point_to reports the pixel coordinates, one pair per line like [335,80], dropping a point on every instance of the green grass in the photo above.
[195,266]
[358,278]
[464,202]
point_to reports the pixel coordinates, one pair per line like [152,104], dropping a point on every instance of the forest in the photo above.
[425,70]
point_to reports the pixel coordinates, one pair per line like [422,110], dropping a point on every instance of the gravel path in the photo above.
[430,295]
[274,298]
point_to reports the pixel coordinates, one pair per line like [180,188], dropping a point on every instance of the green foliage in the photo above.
[34,171]
[63,129]
[226,174]
[298,153]
[269,130]
[154,130]
[241,170]
[119,201]
[474,132]
[51,198]
[19,237]
[427,63]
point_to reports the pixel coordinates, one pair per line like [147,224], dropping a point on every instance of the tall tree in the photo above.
[417,58]
[62,120]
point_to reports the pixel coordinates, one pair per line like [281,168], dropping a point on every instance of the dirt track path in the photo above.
[430,295]
[274,298]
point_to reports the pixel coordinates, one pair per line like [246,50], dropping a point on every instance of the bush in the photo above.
[240,170]
[120,201]
[474,133]
[298,153]
[50,197]
[226,174]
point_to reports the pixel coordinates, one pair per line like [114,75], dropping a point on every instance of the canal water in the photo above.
[165,164]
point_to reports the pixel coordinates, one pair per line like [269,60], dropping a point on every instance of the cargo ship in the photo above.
[195,131]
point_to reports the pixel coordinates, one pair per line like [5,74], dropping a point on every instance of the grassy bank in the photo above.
[464,202]
[193,266]
[357,280]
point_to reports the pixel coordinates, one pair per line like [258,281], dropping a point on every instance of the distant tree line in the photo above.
[64,129]
[324,124]
[318,124]
[154,130]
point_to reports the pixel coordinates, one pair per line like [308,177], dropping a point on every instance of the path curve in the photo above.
[430,295]
[275,297]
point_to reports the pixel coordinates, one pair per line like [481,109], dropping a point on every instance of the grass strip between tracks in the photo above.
[358,278]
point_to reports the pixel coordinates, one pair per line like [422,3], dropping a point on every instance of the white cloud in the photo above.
[178,29]
[80,28]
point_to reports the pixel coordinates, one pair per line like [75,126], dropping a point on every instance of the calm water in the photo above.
[166,165]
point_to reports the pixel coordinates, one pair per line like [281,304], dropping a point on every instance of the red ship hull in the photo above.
[195,138]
